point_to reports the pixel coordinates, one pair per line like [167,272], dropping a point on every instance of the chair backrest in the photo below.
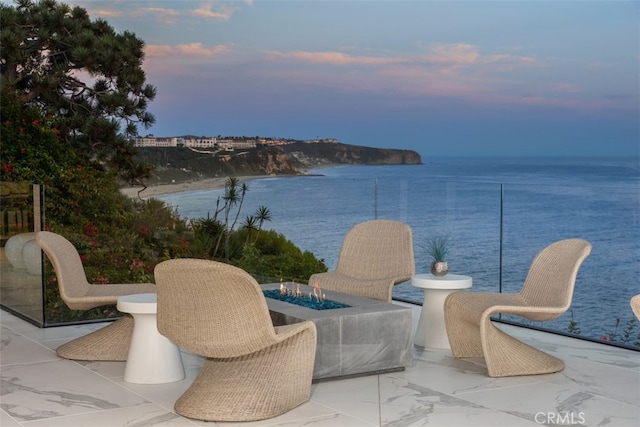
[552,275]
[378,249]
[72,280]
[635,305]
[211,308]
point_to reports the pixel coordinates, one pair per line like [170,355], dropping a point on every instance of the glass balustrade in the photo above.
[21,290]
[494,230]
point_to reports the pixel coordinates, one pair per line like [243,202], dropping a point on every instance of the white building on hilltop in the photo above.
[199,142]
[172,142]
[233,144]
[155,142]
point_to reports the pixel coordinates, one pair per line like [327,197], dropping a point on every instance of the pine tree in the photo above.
[80,72]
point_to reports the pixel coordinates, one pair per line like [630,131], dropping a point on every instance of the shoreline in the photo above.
[203,184]
[179,187]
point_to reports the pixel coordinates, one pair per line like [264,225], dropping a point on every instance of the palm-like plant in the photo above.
[437,248]
[262,215]
[250,224]
[234,193]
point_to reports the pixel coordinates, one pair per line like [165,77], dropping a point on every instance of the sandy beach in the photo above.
[204,184]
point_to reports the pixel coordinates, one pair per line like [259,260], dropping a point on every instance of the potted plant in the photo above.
[436,247]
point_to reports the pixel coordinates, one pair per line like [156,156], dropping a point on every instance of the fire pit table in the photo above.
[366,337]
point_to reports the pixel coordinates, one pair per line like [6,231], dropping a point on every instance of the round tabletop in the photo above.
[449,281]
[138,303]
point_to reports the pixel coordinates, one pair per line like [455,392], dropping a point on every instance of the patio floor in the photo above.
[599,386]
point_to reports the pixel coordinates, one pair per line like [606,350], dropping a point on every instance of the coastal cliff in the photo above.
[178,164]
[306,155]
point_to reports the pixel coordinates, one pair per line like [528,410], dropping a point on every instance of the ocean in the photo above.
[488,208]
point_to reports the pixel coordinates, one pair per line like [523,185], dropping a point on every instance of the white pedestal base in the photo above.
[431,331]
[153,358]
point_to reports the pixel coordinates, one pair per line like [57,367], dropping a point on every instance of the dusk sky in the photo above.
[444,78]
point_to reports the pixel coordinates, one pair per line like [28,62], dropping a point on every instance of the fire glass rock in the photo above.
[304,300]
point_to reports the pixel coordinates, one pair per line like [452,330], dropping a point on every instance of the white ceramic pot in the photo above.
[13,249]
[32,257]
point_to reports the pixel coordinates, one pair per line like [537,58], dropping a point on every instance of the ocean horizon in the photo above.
[489,206]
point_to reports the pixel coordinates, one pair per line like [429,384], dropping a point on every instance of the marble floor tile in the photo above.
[10,321]
[307,414]
[600,379]
[357,396]
[164,395]
[404,403]
[8,421]
[53,389]
[563,347]
[16,349]
[146,415]
[106,369]
[61,334]
[599,386]
[547,401]
[440,371]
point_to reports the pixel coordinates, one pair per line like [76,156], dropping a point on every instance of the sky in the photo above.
[444,78]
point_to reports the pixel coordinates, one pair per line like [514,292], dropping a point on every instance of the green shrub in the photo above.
[273,258]
[31,149]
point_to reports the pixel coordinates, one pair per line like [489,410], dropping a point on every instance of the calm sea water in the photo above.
[489,207]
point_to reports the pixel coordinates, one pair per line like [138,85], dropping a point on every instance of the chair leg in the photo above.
[507,356]
[253,387]
[463,334]
[110,343]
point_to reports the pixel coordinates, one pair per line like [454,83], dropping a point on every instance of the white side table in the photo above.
[153,358]
[431,331]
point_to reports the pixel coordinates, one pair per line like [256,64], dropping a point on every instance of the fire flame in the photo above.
[317,293]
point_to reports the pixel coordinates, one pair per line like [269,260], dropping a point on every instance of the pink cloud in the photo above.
[164,61]
[207,11]
[456,70]
[190,49]
[163,14]
[330,58]
[459,54]
[106,13]
[117,10]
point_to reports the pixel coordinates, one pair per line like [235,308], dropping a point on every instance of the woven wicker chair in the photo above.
[252,370]
[546,294]
[110,342]
[375,256]
[635,305]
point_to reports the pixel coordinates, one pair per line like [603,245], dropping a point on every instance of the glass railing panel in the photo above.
[467,213]
[533,217]
[20,257]
[313,212]
[537,215]
[316,212]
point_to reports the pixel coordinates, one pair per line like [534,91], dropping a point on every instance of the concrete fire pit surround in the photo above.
[366,338]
